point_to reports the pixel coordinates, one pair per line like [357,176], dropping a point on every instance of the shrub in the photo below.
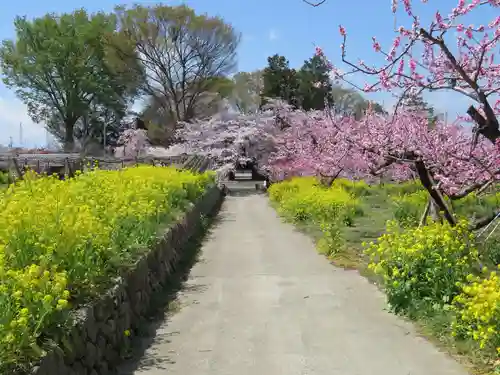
[401,188]
[408,208]
[4,178]
[490,249]
[422,266]
[357,188]
[61,242]
[477,310]
[304,200]
[331,241]
[476,205]
[279,190]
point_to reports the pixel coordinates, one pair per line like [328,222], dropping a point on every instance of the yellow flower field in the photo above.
[62,241]
[303,200]
[478,310]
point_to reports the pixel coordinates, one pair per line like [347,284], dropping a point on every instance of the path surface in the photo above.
[262,302]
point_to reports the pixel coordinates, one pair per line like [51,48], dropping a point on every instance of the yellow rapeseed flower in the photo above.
[77,232]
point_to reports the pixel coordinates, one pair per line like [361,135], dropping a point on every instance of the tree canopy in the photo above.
[280,81]
[180,54]
[315,86]
[63,67]
[311,88]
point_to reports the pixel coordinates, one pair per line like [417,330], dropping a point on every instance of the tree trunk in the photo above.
[423,218]
[437,197]
[488,126]
[69,139]
[434,212]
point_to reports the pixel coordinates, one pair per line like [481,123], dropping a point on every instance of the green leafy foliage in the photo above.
[305,200]
[65,66]
[422,265]
[408,208]
[315,87]
[310,88]
[4,178]
[280,81]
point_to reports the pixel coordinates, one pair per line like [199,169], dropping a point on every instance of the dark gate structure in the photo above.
[246,175]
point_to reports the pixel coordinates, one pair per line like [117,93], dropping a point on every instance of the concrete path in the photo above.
[262,302]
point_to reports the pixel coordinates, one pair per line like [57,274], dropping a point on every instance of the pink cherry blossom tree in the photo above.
[446,159]
[398,146]
[132,143]
[471,70]
[229,137]
[319,143]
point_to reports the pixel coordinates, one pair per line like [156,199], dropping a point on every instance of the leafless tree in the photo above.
[183,55]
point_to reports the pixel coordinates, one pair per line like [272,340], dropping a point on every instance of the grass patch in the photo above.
[366,228]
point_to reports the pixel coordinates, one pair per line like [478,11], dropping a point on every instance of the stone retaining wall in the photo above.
[102,333]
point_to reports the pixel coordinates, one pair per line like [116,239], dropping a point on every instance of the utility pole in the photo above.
[21,134]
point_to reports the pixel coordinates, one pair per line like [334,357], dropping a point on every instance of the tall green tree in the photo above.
[416,103]
[179,53]
[350,102]
[62,65]
[247,90]
[315,87]
[280,81]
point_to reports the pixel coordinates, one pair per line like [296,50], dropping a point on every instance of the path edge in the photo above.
[101,336]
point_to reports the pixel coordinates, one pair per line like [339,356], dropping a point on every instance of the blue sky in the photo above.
[288,27]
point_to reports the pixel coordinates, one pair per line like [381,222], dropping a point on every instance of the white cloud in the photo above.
[273,35]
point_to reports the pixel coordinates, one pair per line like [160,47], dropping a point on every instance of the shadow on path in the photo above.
[165,303]
[263,301]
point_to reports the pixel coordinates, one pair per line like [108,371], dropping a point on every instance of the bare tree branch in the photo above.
[314,4]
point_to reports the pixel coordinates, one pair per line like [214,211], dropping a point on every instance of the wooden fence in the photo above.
[67,164]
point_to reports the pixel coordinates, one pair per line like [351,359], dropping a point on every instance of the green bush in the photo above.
[304,200]
[476,205]
[490,249]
[357,188]
[421,267]
[4,178]
[401,188]
[409,207]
